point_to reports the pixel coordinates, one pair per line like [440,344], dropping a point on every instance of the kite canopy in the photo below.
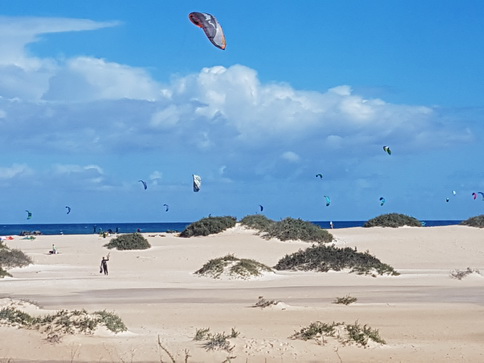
[166,207]
[387,150]
[328,200]
[211,27]
[319,176]
[382,200]
[29,214]
[144,184]
[68,209]
[197,182]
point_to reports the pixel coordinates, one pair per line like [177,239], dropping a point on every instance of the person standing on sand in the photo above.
[104,265]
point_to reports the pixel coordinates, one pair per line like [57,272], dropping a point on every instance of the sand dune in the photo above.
[424,315]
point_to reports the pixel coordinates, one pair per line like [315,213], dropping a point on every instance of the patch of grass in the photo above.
[459,274]
[344,333]
[62,322]
[10,258]
[207,226]
[297,229]
[4,273]
[263,303]
[477,221]
[346,300]
[393,220]
[131,241]
[233,266]
[257,221]
[324,258]
[217,341]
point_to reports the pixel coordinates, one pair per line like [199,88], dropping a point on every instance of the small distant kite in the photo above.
[29,214]
[454,192]
[387,150]
[261,207]
[320,176]
[144,184]
[167,207]
[68,209]
[382,201]
[197,182]
[328,200]
[447,200]
[474,195]
[213,30]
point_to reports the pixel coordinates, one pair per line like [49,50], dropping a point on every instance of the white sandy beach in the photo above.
[424,315]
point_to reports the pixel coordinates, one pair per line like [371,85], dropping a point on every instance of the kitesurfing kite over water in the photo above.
[68,209]
[382,201]
[166,207]
[144,184]
[29,214]
[320,176]
[387,150]
[261,207]
[197,182]
[328,200]
[211,27]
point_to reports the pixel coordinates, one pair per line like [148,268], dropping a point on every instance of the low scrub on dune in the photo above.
[62,322]
[234,267]
[257,221]
[342,332]
[297,229]
[10,258]
[132,241]
[209,225]
[322,258]
[393,220]
[477,221]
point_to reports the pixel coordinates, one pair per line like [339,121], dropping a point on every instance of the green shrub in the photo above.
[297,229]
[346,300]
[257,221]
[132,241]
[344,333]
[232,266]
[393,220]
[207,226]
[13,258]
[477,221]
[4,273]
[324,258]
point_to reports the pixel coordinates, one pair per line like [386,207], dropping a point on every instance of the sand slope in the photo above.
[423,314]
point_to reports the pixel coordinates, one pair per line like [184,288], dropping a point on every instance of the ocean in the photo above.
[90,228]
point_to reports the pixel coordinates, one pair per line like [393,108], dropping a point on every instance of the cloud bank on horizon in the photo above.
[70,121]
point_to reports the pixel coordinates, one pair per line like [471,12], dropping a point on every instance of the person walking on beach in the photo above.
[104,265]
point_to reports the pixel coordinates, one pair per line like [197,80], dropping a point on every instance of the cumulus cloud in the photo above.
[15,170]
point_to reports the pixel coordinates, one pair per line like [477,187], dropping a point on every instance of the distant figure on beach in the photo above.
[53,251]
[331,224]
[104,265]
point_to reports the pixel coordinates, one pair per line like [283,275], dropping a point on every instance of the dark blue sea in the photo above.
[90,228]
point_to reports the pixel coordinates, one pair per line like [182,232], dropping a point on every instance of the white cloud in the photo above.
[15,170]
[291,157]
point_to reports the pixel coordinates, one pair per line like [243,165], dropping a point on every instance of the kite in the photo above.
[144,184]
[328,200]
[320,176]
[481,193]
[261,207]
[387,150]
[197,182]
[29,214]
[166,207]
[211,27]
[382,200]
[68,209]
[447,200]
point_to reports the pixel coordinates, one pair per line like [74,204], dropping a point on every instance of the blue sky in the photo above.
[96,95]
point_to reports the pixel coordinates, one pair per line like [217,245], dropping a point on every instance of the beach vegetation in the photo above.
[345,300]
[62,322]
[257,221]
[460,274]
[342,332]
[323,258]
[131,241]
[297,229]
[264,303]
[393,220]
[477,221]
[10,258]
[209,225]
[216,341]
[232,266]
